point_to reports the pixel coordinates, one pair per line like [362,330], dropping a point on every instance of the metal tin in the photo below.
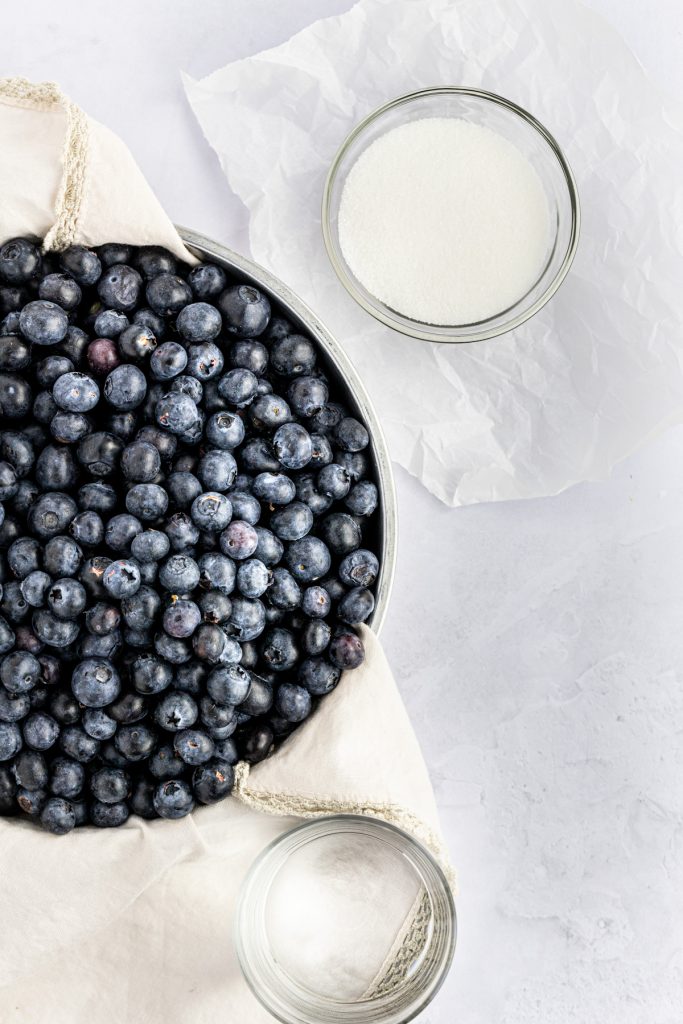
[341,370]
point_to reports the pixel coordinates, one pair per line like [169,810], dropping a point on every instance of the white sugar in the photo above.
[444,221]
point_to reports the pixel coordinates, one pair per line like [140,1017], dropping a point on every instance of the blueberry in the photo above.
[98,724]
[66,777]
[176,710]
[165,763]
[176,412]
[279,650]
[23,555]
[327,417]
[346,651]
[209,642]
[15,398]
[258,456]
[181,618]
[292,522]
[98,497]
[284,591]
[213,781]
[356,606]
[207,280]
[257,744]
[146,502]
[228,684]
[64,707]
[10,740]
[181,532]
[30,770]
[110,785]
[99,452]
[199,321]
[246,311]
[119,287]
[61,289]
[245,506]
[251,355]
[179,574]
[247,618]
[148,318]
[333,481]
[129,708]
[359,568]
[211,511]
[13,707]
[58,816]
[239,540]
[214,606]
[109,323]
[173,799]
[150,546]
[19,261]
[137,342]
[193,745]
[151,260]
[292,446]
[269,412]
[121,578]
[167,361]
[82,264]
[66,598]
[121,531]
[225,430]
[253,578]
[69,427]
[316,602]
[205,361]
[16,449]
[238,387]
[91,575]
[53,631]
[315,636]
[167,294]
[307,395]
[340,532]
[125,387]
[114,252]
[108,815]
[293,702]
[142,799]
[31,801]
[308,559]
[55,469]
[292,355]
[274,488]
[95,682]
[15,353]
[136,742]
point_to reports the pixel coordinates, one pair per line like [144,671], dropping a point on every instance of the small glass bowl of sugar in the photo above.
[345,920]
[451,215]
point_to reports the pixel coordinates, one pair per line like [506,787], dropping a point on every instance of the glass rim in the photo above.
[287,844]
[439,333]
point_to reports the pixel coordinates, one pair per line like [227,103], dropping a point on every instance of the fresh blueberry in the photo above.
[284,592]
[167,294]
[19,261]
[109,323]
[181,618]
[292,522]
[121,578]
[66,598]
[199,321]
[213,781]
[315,637]
[58,816]
[316,602]
[82,264]
[110,785]
[146,502]
[150,546]
[108,815]
[307,395]
[246,311]
[61,289]
[168,360]
[125,387]
[359,568]
[340,532]
[15,398]
[176,412]
[55,469]
[66,777]
[228,684]
[99,452]
[356,606]
[120,532]
[69,427]
[253,578]
[95,682]
[165,763]
[333,481]
[239,540]
[194,746]
[137,342]
[292,446]
[248,354]
[151,260]
[247,618]
[318,675]
[98,724]
[173,799]
[10,740]
[245,506]
[238,387]
[176,710]
[119,288]
[211,511]
[136,742]
[293,702]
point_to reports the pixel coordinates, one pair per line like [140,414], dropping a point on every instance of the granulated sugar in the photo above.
[444,221]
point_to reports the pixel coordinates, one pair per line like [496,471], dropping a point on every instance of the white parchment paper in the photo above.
[596,373]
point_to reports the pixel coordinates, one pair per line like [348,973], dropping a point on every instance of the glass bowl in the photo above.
[345,920]
[517,126]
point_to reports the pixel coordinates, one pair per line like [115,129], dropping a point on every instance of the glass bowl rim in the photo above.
[317,825]
[437,333]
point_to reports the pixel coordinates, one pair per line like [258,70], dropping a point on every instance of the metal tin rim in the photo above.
[300,311]
[413,329]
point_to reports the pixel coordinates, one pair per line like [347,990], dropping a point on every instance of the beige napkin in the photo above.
[135,924]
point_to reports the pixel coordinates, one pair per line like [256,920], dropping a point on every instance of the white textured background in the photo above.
[538,644]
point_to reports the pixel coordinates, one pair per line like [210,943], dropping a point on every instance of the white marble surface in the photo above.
[538,645]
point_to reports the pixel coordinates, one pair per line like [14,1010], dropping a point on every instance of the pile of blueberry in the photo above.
[184,520]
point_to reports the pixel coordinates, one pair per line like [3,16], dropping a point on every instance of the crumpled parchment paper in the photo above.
[598,371]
